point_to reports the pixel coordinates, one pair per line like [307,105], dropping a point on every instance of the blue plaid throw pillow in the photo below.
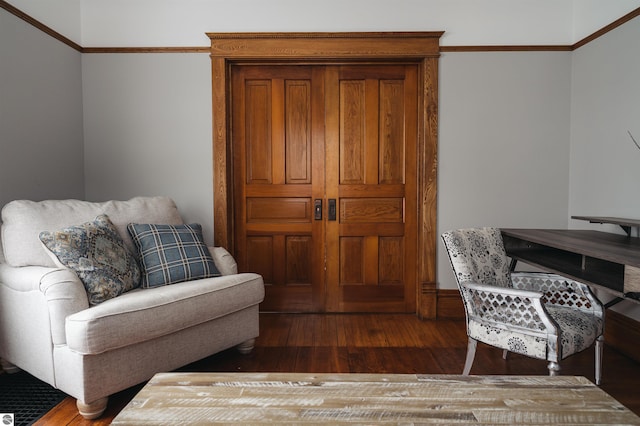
[172,254]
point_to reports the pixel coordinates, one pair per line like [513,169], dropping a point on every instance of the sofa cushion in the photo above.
[97,254]
[160,311]
[23,220]
[172,254]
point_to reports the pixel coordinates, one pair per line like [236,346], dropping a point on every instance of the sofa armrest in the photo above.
[224,261]
[65,295]
[22,278]
[62,290]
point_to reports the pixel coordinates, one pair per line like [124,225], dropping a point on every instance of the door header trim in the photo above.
[360,45]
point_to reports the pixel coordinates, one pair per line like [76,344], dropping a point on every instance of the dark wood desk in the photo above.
[601,259]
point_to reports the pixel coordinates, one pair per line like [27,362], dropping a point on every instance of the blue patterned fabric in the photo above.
[97,254]
[172,254]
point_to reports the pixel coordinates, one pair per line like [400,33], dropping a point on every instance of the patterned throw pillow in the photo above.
[172,254]
[97,254]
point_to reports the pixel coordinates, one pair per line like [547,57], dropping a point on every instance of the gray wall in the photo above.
[605,163]
[504,151]
[148,130]
[41,142]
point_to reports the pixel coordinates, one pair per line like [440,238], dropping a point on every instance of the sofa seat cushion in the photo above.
[146,314]
[23,220]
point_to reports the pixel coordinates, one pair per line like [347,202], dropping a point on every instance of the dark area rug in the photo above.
[26,397]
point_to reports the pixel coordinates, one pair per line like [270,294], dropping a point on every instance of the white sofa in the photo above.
[49,329]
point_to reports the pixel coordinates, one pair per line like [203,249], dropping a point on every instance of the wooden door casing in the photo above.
[422,48]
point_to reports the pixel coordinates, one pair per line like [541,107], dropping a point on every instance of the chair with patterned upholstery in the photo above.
[540,315]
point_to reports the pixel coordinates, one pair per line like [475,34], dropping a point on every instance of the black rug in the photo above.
[26,398]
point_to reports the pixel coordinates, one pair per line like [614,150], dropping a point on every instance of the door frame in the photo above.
[422,48]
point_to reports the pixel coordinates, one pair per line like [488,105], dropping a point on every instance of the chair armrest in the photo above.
[509,308]
[559,290]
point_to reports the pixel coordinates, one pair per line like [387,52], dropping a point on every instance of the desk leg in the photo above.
[512,265]
[599,347]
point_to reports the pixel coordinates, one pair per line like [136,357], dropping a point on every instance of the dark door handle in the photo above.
[317,209]
[332,209]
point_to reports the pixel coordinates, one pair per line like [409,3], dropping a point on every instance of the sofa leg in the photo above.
[92,410]
[8,367]
[245,348]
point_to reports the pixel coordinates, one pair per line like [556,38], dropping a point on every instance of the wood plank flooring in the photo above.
[376,343]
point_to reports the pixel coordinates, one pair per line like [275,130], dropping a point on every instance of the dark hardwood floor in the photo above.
[382,343]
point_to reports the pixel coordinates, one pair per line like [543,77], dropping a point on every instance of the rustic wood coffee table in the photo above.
[277,398]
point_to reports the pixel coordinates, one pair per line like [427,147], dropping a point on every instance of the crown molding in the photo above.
[612,26]
[183,49]
[39,25]
[206,49]
[507,48]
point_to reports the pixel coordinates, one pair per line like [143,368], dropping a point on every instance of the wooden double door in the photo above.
[325,184]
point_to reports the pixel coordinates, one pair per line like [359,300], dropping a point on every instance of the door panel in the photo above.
[258,132]
[278,209]
[298,131]
[367,210]
[391,160]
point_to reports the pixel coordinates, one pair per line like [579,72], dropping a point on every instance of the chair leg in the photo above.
[554,368]
[471,354]
[599,348]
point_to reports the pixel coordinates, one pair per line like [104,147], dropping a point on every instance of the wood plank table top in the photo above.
[301,398]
